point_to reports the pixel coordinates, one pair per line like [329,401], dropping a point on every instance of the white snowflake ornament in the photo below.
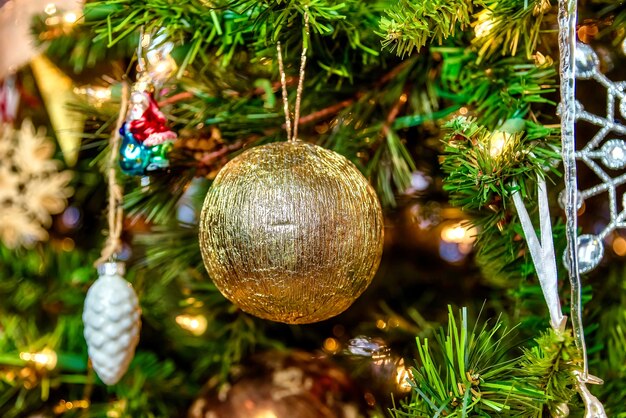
[112,323]
[32,186]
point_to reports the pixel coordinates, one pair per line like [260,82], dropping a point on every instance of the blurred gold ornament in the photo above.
[385,372]
[278,384]
[57,91]
[291,232]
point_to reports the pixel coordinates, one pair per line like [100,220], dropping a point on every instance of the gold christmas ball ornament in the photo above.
[291,232]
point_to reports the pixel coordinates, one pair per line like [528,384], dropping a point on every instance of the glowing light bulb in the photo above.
[619,246]
[195,324]
[484,24]
[331,345]
[64,406]
[45,358]
[457,240]
[95,95]
[50,9]
[403,376]
[498,143]
[101,93]
[161,66]
[53,20]
[459,233]
[70,17]
[265,414]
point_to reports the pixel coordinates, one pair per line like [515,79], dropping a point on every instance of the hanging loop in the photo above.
[292,134]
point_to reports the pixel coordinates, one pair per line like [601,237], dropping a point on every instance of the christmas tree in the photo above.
[195,197]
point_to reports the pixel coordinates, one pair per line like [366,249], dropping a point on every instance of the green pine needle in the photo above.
[551,364]
[410,25]
[506,27]
[481,165]
[496,91]
[77,49]
[468,372]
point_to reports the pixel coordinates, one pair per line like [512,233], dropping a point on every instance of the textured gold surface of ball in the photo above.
[291,232]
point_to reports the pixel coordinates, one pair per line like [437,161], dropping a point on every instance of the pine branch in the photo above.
[615,12]
[481,165]
[469,372]
[236,26]
[149,382]
[495,91]
[76,49]
[506,27]
[481,168]
[39,289]
[410,25]
[157,202]
[551,364]
[503,257]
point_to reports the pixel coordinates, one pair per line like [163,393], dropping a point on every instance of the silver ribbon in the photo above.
[542,252]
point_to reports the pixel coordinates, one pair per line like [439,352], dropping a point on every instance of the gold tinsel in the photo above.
[291,232]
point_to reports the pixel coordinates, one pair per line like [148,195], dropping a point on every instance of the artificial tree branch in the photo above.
[395,110]
[176,98]
[326,112]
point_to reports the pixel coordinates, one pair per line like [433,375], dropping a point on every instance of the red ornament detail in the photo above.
[151,128]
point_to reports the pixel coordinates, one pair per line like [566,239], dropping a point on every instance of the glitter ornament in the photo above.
[112,323]
[613,154]
[291,232]
[586,61]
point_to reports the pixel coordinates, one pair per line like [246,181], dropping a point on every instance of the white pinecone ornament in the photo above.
[112,323]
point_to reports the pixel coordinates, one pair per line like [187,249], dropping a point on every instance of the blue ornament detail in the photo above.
[136,159]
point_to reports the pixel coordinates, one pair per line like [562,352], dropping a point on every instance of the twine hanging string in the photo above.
[283,84]
[140,61]
[115,216]
[301,78]
[292,135]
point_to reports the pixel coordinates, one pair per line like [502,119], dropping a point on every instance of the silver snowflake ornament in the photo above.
[605,152]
